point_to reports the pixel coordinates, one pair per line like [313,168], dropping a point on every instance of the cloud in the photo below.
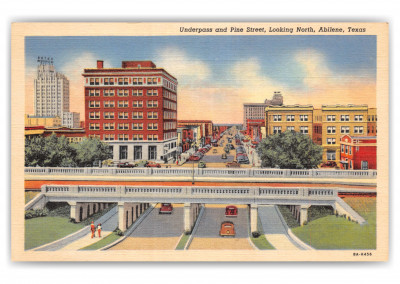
[188,70]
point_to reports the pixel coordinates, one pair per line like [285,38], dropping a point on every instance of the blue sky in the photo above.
[214,64]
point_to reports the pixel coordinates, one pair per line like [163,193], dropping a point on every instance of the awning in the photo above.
[344,162]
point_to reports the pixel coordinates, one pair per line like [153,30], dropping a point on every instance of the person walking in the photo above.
[93,229]
[99,229]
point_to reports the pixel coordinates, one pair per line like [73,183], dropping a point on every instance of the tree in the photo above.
[289,150]
[90,150]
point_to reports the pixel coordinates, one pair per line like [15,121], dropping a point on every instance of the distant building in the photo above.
[71,119]
[206,129]
[45,121]
[51,90]
[72,135]
[256,111]
[358,153]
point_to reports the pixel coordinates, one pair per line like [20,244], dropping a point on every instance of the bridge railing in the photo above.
[189,192]
[207,172]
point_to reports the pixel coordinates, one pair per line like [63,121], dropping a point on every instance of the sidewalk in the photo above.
[86,241]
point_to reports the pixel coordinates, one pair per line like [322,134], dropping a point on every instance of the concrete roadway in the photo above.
[275,229]
[156,232]
[207,234]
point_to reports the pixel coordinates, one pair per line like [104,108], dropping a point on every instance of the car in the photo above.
[126,165]
[215,151]
[243,160]
[153,165]
[240,151]
[241,154]
[231,147]
[224,156]
[231,211]
[329,164]
[166,208]
[227,229]
[202,165]
[233,164]
[194,158]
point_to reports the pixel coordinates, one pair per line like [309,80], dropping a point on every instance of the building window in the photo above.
[304,129]
[152,137]
[125,81]
[345,129]
[94,93]
[123,126]
[152,104]
[137,104]
[109,104]
[331,141]
[120,81]
[91,81]
[108,93]
[123,103]
[123,93]
[350,149]
[108,115]
[342,148]
[137,115]
[137,93]
[277,129]
[152,93]
[358,118]
[152,152]
[346,149]
[152,126]
[94,104]
[344,117]
[277,117]
[152,115]
[123,115]
[331,155]
[94,115]
[108,81]
[331,117]
[94,126]
[123,152]
[358,129]
[123,137]
[331,129]
[290,118]
[109,137]
[290,128]
[137,137]
[304,117]
[108,126]
[137,152]
[137,126]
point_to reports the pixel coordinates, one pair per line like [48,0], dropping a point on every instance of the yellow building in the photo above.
[46,121]
[339,120]
[297,118]
[372,122]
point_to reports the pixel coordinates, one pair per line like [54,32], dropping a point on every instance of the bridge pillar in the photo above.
[121,216]
[187,221]
[253,217]
[73,212]
[304,214]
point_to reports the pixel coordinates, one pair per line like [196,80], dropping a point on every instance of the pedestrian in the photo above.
[93,229]
[99,229]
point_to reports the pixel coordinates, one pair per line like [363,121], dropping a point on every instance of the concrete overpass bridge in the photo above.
[82,198]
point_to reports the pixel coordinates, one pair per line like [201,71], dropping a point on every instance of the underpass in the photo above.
[207,234]
[156,232]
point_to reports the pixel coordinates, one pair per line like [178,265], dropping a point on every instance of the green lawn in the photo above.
[182,242]
[103,242]
[261,242]
[43,230]
[331,232]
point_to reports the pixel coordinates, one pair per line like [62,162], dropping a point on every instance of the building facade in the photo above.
[256,111]
[358,153]
[298,118]
[205,130]
[45,121]
[134,109]
[71,119]
[51,90]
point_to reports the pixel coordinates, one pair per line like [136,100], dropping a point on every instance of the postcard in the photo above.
[200,141]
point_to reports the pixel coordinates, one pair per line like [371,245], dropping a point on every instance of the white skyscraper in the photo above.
[51,90]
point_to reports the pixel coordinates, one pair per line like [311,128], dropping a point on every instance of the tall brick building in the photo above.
[134,109]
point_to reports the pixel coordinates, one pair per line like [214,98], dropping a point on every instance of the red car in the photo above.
[231,211]
[152,165]
[227,229]
[166,208]
[126,165]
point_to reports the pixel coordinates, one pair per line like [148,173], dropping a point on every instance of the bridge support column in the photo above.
[121,216]
[304,214]
[73,212]
[253,217]
[187,220]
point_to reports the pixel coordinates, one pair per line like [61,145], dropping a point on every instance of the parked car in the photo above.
[215,151]
[153,165]
[243,160]
[108,163]
[224,156]
[231,146]
[329,164]
[202,165]
[233,164]
[166,208]
[227,229]
[194,158]
[126,165]
[231,211]
[240,150]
